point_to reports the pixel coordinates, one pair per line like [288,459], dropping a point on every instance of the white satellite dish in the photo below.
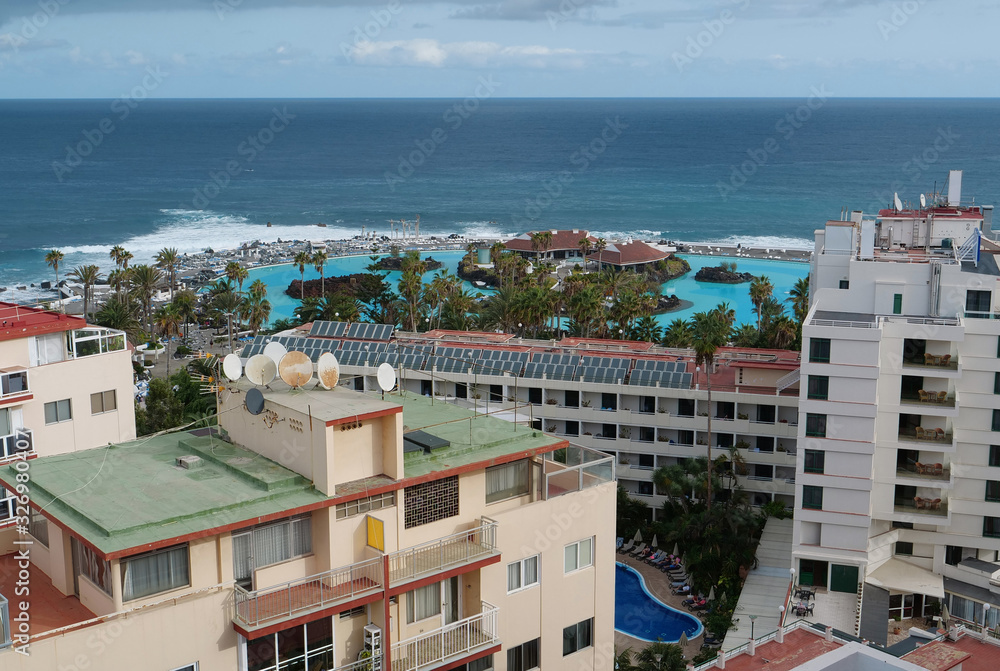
[923,200]
[295,369]
[232,368]
[328,370]
[897,202]
[386,377]
[260,369]
[274,351]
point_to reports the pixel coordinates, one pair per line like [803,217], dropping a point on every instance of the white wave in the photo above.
[638,234]
[772,242]
[482,229]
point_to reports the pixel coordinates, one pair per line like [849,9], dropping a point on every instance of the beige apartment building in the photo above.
[320,529]
[64,386]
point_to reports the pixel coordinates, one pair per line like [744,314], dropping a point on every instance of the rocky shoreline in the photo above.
[720,275]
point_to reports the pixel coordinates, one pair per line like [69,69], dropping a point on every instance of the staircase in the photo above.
[786,381]
[969,251]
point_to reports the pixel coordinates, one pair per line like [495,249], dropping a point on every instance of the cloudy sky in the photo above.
[423,48]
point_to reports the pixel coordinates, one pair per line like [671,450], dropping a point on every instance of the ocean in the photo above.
[84,175]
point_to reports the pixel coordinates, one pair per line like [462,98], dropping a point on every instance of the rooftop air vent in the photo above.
[190,462]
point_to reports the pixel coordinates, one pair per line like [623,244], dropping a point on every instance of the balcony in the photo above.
[95,340]
[279,603]
[448,644]
[929,402]
[923,507]
[575,468]
[14,383]
[920,471]
[435,556]
[21,441]
[922,436]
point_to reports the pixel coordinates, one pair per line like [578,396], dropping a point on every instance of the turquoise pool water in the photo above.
[705,296]
[641,615]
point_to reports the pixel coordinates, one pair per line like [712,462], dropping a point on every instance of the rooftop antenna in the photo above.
[254,401]
[923,201]
[260,370]
[232,367]
[896,202]
[386,377]
[328,370]
[295,369]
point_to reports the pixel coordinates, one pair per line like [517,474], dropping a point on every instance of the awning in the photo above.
[899,576]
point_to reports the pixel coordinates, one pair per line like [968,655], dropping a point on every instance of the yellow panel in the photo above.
[376,533]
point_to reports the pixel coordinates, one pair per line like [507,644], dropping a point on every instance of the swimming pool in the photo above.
[641,615]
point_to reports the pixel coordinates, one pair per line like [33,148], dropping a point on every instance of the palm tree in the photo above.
[302,259]
[585,248]
[799,298]
[647,329]
[167,324]
[117,255]
[88,276]
[235,272]
[257,288]
[53,259]
[120,313]
[228,304]
[599,247]
[144,279]
[258,311]
[319,262]
[660,657]
[709,332]
[745,336]
[760,289]
[186,303]
[166,259]
[677,334]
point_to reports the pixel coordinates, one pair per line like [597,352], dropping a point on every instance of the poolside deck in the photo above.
[658,584]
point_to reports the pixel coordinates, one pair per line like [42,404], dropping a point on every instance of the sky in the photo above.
[527,48]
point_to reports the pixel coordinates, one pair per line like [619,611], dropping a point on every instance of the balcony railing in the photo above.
[434,556]
[5,640]
[575,468]
[449,643]
[926,436]
[929,401]
[924,472]
[22,440]
[296,597]
[94,340]
[928,507]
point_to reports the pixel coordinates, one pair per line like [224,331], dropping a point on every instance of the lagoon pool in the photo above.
[704,295]
[641,615]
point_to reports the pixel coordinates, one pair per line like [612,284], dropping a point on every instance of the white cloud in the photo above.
[434,54]
[135,58]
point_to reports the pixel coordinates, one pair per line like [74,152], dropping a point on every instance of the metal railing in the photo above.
[22,440]
[574,469]
[458,548]
[448,643]
[5,640]
[841,323]
[284,601]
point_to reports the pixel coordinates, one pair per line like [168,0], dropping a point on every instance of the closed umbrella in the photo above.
[654,541]
[683,639]
[945,616]
[711,594]
[676,551]
[638,536]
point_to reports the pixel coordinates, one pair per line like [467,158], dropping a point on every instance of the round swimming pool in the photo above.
[641,615]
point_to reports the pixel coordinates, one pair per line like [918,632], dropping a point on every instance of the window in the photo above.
[904,548]
[430,501]
[991,527]
[49,348]
[952,555]
[992,490]
[578,555]
[6,428]
[423,602]
[354,612]
[155,572]
[685,407]
[578,636]
[902,525]
[38,527]
[819,350]
[522,574]
[506,481]
[812,497]
[58,411]
[995,426]
[845,284]
[481,664]
[818,387]
[978,303]
[91,567]
[994,455]
[523,657]
[609,401]
[996,383]
[365,504]
[103,401]
[304,646]
[271,543]
[535,395]
[897,304]
[815,425]
[189,667]
[815,461]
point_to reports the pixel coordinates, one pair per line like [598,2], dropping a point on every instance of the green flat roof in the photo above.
[473,437]
[132,495]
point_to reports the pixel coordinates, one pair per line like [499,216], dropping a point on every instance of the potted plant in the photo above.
[551,401]
[551,428]
[741,445]
[585,403]
[742,415]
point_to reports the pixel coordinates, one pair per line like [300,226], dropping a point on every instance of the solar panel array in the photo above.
[454,359]
[326,329]
[649,373]
[602,369]
[499,362]
[364,331]
[552,366]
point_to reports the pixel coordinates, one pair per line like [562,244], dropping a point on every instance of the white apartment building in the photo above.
[643,404]
[898,467]
[64,386]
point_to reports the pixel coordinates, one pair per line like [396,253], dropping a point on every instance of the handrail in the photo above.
[462,546]
[450,641]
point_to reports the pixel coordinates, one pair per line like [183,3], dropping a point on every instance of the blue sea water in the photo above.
[198,173]
[640,615]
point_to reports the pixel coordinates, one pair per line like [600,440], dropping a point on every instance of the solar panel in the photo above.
[455,359]
[605,361]
[365,331]
[600,374]
[328,329]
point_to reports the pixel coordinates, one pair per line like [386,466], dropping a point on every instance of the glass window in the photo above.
[991,527]
[5,426]
[815,461]
[522,574]
[423,602]
[578,555]
[996,421]
[819,350]
[578,636]
[897,304]
[481,664]
[818,387]
[38,527]
[952,555]
[992,490]
[904,548]
[815,425]
[523,657]
[996,383]
[280,541]
[978,302]
[91,567]
[58,411]
[507,481]
[845,284]
[155,572]
[994,455]
[103,401]
[812,497]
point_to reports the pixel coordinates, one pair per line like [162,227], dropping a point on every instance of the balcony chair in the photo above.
[625,548]
[637,552]
[920,503]
[939,434]
[937,469]
[923,396]
[942,396]
[935,504]
[920,433]
[945,360]
[921,468]
[930,359]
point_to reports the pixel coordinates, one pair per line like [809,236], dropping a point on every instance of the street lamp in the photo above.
[986,613]
[792,571]
[781,616]
[752,618]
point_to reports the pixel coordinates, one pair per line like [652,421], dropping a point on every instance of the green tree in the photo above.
[302,259]
[319,260]
[161,410]
[143,281]
[660,657]
[599,247]
[167,324]
[647,329]
[52,259]
[121,314]
[166,260]
[677,334]
[799,298]
[760,289]
[88,276]
[709,332]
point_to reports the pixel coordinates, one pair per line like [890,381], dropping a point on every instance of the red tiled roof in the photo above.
[18,321]
[800,646]
[937,656]
[949,212]
[629,253]
[561,240]
[983,656]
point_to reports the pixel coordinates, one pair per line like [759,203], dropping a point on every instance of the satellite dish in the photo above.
[232,368]
[261,369]
[386,377]
[254,401]
[295,368]
[328,370]
[897,202]
[274,351]
[923,200]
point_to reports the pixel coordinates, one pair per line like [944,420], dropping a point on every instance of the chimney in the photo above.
[829,634]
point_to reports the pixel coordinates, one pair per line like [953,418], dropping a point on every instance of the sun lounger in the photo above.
[639,550]
[625,548]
